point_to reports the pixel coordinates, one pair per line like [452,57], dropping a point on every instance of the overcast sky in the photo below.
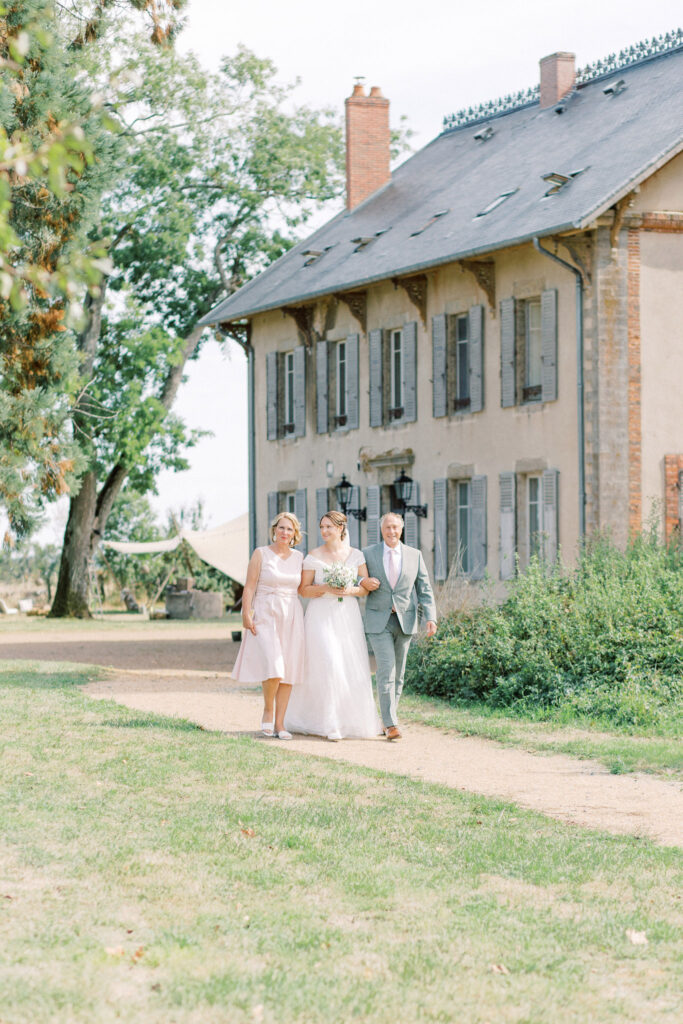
[429,59]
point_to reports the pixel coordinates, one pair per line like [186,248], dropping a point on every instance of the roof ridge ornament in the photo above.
[641,51]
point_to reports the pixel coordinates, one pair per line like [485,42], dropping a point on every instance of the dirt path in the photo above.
[573,791]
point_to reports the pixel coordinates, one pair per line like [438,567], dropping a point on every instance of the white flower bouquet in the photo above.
[339,576]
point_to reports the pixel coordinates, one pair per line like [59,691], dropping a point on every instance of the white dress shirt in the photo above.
[395,554]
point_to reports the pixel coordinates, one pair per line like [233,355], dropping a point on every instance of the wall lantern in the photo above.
[403,487]
[343,493]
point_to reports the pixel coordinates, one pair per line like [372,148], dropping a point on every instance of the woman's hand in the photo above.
[248,622]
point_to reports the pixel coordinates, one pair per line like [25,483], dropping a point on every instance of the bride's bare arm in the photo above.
[307,588]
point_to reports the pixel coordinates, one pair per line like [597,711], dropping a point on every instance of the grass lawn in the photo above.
[647,751]
[153,872]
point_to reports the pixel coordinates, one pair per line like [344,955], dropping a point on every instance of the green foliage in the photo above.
[602,641]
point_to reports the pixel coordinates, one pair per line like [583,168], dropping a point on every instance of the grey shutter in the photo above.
[549,345]
[507,352]
[376,405]
[273,509]
[353,524]
[478,546]
[507,525]
[300,391]
[409,373]
[321,503]
[322,394]
[476,358]
[301,512]
[271,395]
[550,482]
[352,418]
[373,531]
[439,357]
[441,530]
[411,533]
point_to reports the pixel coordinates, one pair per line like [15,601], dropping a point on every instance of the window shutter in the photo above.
[439,379]
[478,539]
[271,395]
[353,524]
[550,508]
[409,373]
[507,352]
[321,507]
[301,512]
[376,405]
[441,530]
[549,345]
[373,506]
[300,391]
[507,525]
[322,394]
[352,419]
[411,533]
[476,358]
[273,509]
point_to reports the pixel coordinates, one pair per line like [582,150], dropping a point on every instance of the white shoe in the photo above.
[267,728]
[284,735]
[334,736]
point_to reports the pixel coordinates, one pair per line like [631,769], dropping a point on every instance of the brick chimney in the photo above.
[558,75]
[367,144]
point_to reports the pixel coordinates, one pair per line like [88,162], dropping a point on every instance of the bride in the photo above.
[335,698]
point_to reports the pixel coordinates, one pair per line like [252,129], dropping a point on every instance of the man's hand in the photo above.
[431,629]
[370,583]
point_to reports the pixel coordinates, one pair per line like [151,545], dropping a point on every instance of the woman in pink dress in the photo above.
[272,649]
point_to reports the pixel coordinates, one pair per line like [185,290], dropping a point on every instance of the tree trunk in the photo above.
[71,596]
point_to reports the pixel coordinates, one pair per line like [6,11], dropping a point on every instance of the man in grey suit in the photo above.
[397,584]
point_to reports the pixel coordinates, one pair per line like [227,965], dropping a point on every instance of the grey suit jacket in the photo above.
[412,589]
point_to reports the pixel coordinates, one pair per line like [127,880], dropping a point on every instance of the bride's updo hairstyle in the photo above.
[296,539]
[339,519]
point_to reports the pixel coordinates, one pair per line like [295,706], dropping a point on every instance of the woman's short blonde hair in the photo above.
[296,539]
[338,518]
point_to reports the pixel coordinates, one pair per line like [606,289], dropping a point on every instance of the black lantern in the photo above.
[343,493]
[403,486]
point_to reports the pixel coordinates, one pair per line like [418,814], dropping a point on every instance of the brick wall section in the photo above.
[368,144]
[673,467]
[635,475]
[665,222]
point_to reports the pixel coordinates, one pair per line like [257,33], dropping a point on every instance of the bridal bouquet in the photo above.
[339,576]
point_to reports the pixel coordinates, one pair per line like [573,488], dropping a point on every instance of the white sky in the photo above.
[429,59]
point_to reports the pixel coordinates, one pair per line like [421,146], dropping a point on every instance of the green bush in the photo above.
[602,640]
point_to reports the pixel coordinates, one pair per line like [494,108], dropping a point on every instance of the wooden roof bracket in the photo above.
[620,209]
[484,273]
[416,289]
[357,302]
[303,318]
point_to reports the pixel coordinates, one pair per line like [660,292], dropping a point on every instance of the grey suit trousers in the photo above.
[390,648]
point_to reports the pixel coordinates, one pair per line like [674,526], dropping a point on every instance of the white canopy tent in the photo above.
[225,547]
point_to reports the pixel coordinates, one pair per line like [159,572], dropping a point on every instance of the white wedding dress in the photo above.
[335,698]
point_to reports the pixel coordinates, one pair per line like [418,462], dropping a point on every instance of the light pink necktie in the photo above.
[393,567]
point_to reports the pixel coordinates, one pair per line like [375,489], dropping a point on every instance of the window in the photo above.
[288,425]
[337,386]
[396,363]
[497,201]
[533,350]
[534,516]
[288,501]
[464,497]
[462,362]
[286,393]
[340,418]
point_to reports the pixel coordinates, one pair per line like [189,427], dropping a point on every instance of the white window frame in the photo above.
[533,333]
[534,544]
[464,545]
[462,387]
[397,364]
[341,382]
[288,390]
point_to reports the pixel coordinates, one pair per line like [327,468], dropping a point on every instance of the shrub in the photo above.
[603,640]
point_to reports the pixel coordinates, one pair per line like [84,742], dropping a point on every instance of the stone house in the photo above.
[499,321]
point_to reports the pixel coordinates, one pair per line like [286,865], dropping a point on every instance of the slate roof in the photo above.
[615,141]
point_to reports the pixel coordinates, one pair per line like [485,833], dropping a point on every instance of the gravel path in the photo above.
[574,791]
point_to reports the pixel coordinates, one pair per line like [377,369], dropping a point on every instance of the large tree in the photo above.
[218,173]
[56,159]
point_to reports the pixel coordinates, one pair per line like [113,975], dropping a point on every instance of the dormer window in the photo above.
[363,241]
[498,201]
[557,180]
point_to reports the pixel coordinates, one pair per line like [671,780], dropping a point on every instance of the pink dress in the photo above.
[277,650]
